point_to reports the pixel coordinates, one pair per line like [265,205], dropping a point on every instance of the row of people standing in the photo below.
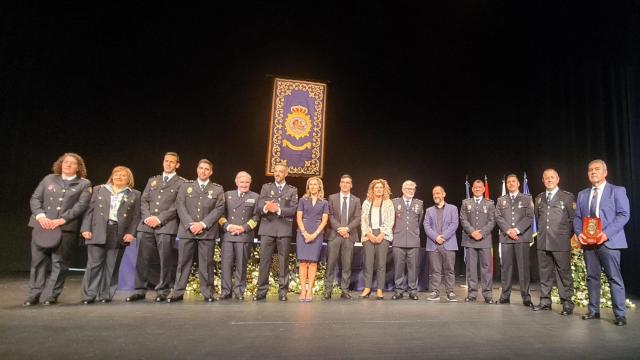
[110,216]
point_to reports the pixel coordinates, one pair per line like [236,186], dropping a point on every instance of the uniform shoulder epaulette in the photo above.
[188,181]
[155,177]
[418,201]
[567,192]
[216,184]
[181,178]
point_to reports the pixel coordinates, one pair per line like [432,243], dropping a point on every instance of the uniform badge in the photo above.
[561,204]
[519,204]
[99,197]
[504,202]
[126,198]
[539,200]
[415,208]
[153,183]
[484,208]
[189,190]
[251,201]
[469,207]
[573,205]
[272,193]
[90,189]
[399,207]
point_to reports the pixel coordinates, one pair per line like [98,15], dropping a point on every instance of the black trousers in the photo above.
[342,249]
[155,263]
[375,255]
[235,255]
[518,252]
[49,267]
[187,249]
[550,263]
[267,243]
[100,279]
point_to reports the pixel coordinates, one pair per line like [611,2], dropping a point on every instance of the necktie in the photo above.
[513,197]
[202,187]
[165,179]
[279,188]
[241,195]
[478,202]
[548,197]
[344,212]
[408,202]
[594,203]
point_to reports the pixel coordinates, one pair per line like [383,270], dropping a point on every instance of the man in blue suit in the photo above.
[440,225]
[611,204]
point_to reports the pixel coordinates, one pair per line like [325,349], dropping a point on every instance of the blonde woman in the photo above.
[108,226]
[377,221]
[312,217]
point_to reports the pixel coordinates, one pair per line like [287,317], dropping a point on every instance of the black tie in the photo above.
[241,195]
[408,202]
[165,179]
[594,203]
[513,197]
[202,187]
[478,202]
[344,212]
[548,197]
[279,188]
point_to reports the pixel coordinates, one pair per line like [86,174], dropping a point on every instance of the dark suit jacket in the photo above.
[240,211]
[353,219]
[57,200]
[96,218]
[159,200]
[614,214]
[272,224]
[515,214]
[555,221]
[196,205]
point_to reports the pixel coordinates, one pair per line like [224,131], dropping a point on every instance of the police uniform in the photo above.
[478,216]
[240,210]
[196,204]
[56,199]
[406,244]
[105,249]
[515,213]
[276,230]
[555,229]
[157,255]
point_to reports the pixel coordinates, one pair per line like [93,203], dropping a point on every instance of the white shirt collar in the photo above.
[205,183]
[68,178]
[553,192]
[514,194]
[168,175]
[600,187]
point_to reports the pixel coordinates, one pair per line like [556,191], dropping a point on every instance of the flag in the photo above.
[504,192]
[466,187]
[296,132]
[534,224]
[486,188]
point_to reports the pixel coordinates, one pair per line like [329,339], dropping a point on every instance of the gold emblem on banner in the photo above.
[298,122]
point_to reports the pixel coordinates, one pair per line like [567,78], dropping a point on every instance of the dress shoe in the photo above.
[135,297]
[620,321]
[414,297]
[489,301]
[225,297]
[161,298]
[566,312]
[541,307]
[503,301]
[209,299]
[88,301]
[346,295]
[172,299]
[259,297]
[469,299]
[30,302]
[397,296]
[591,316]
[105,301]
[50,301]
[365,296]
[284,298]
[527,303]
[379,295]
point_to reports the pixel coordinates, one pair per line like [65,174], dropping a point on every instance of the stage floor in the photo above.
[335,329]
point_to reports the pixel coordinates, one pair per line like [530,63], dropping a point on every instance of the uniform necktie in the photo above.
[548,197]
[241,195]
[594,203]
[513,197]
[344,212]
[477,201]
[202,187]
[165,179]
[408,202]
[279,188]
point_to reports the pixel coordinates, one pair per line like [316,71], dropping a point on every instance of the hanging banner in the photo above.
[296,132]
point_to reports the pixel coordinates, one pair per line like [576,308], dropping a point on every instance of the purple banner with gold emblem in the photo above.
[296,133]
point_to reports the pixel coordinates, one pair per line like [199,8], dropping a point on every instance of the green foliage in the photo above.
[253,266]
[580,290]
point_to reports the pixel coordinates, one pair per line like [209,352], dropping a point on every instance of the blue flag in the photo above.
[525,190]
[466,187]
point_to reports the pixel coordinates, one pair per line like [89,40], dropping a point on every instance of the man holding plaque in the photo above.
[602,212]
[554,209]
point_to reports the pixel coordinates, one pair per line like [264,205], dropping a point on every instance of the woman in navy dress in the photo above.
[312,217]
